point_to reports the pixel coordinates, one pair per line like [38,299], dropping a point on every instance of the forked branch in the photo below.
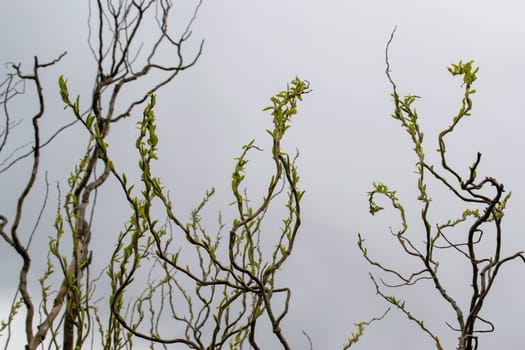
[470,227]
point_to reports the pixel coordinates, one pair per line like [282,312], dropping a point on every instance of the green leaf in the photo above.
[64,93]
[89,121]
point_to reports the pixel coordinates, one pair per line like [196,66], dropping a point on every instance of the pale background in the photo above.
[344,133]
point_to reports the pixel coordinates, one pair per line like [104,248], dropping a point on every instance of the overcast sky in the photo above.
[343,131]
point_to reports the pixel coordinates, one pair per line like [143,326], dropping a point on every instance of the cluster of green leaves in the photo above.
[215,292]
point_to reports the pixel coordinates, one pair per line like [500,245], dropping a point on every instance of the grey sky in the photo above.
[344,133]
